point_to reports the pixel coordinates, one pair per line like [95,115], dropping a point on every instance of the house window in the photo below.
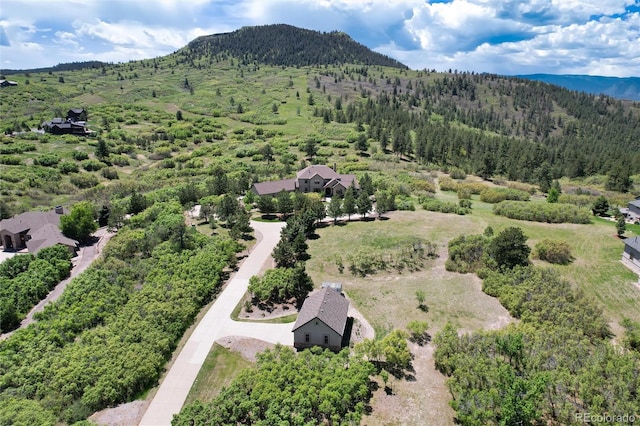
[326,339]
[307,338]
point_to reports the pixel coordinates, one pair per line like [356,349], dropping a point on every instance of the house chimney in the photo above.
[59,210]
[335,167]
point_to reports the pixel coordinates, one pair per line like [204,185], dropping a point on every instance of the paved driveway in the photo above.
[217,323]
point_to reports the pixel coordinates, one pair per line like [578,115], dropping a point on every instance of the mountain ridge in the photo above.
[289,46]
[626,88]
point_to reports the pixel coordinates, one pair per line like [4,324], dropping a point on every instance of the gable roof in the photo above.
[635,203]
[30,221]
[42,227]
[633,242]
[46,236]
[325,172]
[274,186]
[327,305]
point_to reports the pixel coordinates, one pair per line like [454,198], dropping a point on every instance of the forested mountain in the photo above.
[287,45]
[70,66]
[621,88]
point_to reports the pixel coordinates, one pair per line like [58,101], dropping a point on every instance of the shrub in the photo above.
[435,205]
[456,173]
[79,155]
[110,173]
[448,184]
[10,160]
[553,251]
[47,160]
[84,180]
[496,195]
[67,167]
[92,165]
[542,212]
[466,253]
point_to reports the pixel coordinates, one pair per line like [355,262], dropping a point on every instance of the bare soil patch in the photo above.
[123,415]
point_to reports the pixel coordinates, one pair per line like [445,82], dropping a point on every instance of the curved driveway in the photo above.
[217,323]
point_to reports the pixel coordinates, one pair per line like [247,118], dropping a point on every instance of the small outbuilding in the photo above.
[322,320]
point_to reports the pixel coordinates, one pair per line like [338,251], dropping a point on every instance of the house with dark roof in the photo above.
[35,231]
[74,124]
[634,208]
[7,83]
[322,320]
[631,254]
[314,178]
[77,114]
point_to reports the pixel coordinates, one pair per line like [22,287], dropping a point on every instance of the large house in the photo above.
[631,254]
[74,124]
[315,178]
[322,320]
[35,231]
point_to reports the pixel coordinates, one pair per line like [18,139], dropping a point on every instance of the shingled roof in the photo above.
[275,186]
[325,172]
[633,242]
[327,305]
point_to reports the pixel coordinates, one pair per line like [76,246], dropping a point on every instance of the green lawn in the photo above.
[219,369]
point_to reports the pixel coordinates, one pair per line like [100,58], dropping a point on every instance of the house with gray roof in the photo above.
[35,231]
[314,178]
[631,254]
[322,320]
[634,207]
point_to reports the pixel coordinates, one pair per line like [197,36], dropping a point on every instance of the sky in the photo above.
[509,37]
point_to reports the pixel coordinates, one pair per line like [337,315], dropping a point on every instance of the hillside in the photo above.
[172,118]
[437,151]
[289,46]
[621,88]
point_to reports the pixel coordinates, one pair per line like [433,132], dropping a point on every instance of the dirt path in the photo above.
[86,256]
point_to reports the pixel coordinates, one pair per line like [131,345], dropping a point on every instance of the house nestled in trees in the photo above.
[322,320]
[314,178]
[632,211]
[35,231]
[74,124]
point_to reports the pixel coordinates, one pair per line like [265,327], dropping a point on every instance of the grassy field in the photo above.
[388,299]
[218,370]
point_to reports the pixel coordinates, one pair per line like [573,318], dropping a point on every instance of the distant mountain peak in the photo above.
[627,88]
[282,44]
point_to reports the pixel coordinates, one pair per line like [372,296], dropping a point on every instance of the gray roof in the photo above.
[327,305]
[274,186]
[325,172]
[46,236]
[42,227]
[30,221]
[635,203]
[633,242]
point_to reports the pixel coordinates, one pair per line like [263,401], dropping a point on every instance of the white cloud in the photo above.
[502,36]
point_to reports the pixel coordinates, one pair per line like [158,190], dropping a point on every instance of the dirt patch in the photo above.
[422,399]
[248,347]
[123,415]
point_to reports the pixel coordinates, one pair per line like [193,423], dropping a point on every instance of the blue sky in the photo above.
[594,37]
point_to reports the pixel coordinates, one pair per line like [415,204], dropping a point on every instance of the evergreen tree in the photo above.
[335,209]
[102,150]
[363,204]
[349,202]
[621,225]
[509,248]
